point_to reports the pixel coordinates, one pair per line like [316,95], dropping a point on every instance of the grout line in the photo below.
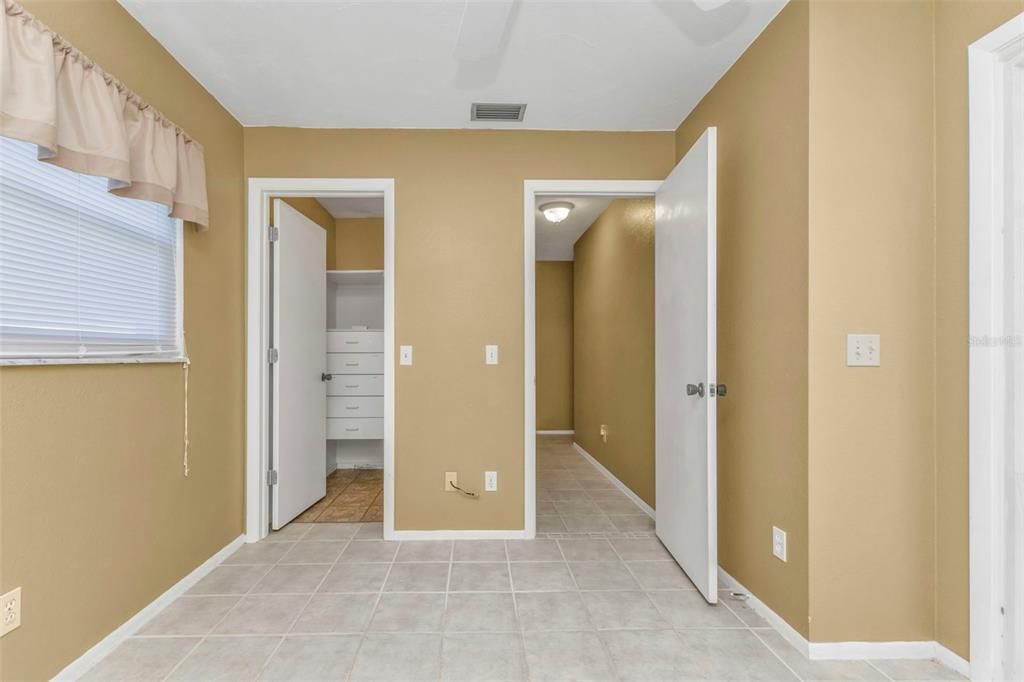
[880,671]
[373,612]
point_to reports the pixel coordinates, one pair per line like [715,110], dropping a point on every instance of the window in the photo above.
[84,275]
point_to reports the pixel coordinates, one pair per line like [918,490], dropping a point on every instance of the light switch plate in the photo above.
[491,355]
[490,481]
[863,350]
[405,355]
[779,543]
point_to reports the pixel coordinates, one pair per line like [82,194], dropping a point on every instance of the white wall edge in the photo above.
[788,632]
[458,535]
[823,651]
[647,509]
[557,432]
[90,658]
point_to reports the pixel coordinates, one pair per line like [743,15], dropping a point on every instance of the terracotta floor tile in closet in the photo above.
[353,495]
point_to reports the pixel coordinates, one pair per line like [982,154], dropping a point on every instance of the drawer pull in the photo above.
[351,343]
[351,364]
[352,429]
[351,407]
[351,385]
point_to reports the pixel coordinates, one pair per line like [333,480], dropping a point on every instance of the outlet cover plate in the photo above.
[779,543]
[490,481]
[10,611]
[863,350]
[450,478]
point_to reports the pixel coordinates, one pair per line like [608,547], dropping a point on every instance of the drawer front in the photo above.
[349,384]
[355,363]
[355,406]
[355,342]
[342,429]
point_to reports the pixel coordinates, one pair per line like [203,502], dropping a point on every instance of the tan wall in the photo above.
[312,209]
[459,286]
[957,24]
[761,109]
[613,342]
[359,244]
[553,288]
[871,473]
[98,519]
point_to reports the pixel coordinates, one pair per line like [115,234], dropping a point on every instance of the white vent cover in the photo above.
[480,111]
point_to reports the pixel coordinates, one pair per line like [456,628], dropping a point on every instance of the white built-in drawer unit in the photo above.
[351,341]
[340,429]
[355,406]
[355,363]
[355,402]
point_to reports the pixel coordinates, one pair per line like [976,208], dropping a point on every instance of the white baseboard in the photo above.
[90,658]
[647,509]
[823,651]
[557,432]
[457,535]
[788,632]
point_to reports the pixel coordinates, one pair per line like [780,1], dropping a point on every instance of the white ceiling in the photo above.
[555,240]
[353,207]
[578,64]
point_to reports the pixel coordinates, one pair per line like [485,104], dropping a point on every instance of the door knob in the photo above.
[326,377]
[697,390]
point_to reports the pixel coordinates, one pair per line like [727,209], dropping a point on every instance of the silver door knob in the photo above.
[326,377]
[697,390]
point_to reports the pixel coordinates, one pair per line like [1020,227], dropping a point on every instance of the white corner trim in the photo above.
[647,509]
[557,432]
[823,651]
[458,535]
[90,658]
[788,632]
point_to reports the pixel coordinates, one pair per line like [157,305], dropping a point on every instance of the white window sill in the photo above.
[112,360]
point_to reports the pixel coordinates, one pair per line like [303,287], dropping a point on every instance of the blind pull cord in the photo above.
[185,367]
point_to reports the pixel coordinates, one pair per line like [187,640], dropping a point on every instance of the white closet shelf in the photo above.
[355,277]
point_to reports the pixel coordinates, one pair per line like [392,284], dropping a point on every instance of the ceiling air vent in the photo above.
[496,112]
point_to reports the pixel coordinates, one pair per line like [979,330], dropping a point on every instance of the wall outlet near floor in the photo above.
[490,481]
[863,350]
[604,433]
[10,611]
[451,478]
[779,543]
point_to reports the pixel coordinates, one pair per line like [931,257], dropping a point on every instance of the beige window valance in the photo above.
[85,120]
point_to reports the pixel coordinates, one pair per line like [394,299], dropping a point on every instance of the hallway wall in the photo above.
[613,342]
[358,244]
[554,311]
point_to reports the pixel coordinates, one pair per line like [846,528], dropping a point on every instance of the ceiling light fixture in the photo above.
[556,211]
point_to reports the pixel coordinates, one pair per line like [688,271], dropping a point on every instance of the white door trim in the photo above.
[531,190]
[986,298]
[257,337]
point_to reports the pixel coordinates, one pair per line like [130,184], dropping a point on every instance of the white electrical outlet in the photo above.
[863,350]
[405,355]
[10,611]
[779,543]
[491,355]
[490,481]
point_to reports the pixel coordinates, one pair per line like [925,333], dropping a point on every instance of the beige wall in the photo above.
[761,109]
[459,286]
[957,24]
[613,342]
[359,244]
[314,210]
[871,473]
[553,288]
[98,519]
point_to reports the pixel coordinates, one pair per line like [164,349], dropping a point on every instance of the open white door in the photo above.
[299,316]
[685,365]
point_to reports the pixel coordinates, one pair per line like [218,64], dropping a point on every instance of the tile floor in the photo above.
[323,601]
[353,495]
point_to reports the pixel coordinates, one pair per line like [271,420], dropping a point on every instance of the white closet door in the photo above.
[686,448]
[299,395]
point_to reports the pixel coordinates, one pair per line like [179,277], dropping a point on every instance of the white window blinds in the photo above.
[83,274]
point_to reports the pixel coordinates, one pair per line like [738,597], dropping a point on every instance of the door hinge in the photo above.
[272,355]
[273,233]
[272,477]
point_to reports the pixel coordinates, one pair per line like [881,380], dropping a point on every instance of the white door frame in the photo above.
[257,398]
[986,304]
[531,190]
